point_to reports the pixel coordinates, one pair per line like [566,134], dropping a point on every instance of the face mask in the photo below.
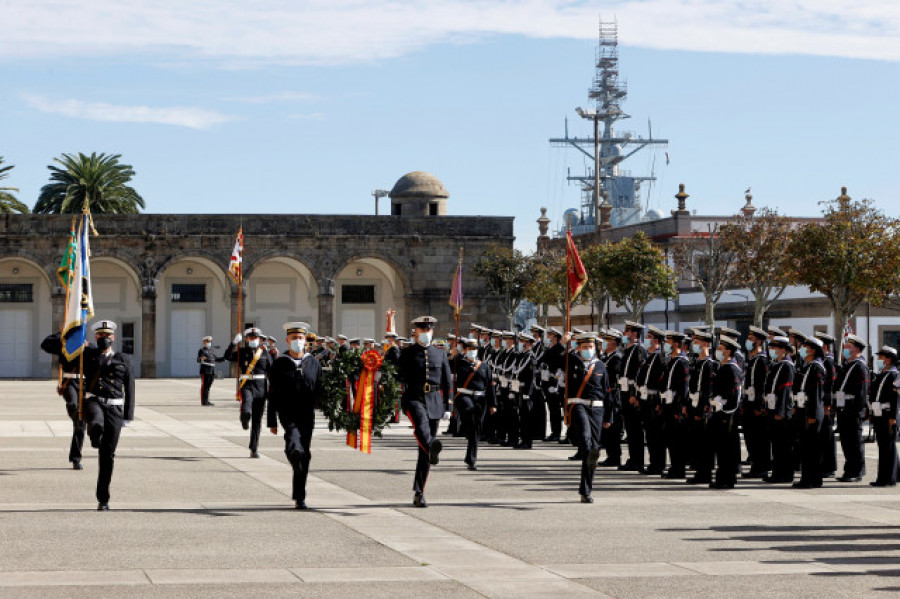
[625,341]
[587,354]
[605,346]
[846,353]
[254,343]
[773,355]
[803,352]
[424,338]
[482,342]
[495,343]
[297,345]
[749,345]
[879,366]
[206,345]
[695,348]
[104,343]
[646,343]
[572,345]
[667,348]
[720,355]
[472,354]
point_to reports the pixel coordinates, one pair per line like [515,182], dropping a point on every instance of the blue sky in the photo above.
[293,107]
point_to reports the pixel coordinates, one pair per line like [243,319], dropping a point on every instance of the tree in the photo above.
[542,287]
[761,263]
[638,273]
[596,292]
[8,202]
[851,258]
[98,179]
[505,271]
[711,264]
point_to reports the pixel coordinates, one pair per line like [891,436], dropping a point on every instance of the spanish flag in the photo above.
[575,272]
[234,265]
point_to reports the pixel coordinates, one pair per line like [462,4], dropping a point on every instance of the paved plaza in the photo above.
[193,516]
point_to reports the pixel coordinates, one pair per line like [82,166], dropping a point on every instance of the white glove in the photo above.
[446,416]
[237,339]
[126,423]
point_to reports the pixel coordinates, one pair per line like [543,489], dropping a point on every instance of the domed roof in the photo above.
[418,184]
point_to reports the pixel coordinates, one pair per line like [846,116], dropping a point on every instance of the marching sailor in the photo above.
[253,364]
[474,396]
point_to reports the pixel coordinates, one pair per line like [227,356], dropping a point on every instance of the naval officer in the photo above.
[207,359]
[425,371]
[253,363]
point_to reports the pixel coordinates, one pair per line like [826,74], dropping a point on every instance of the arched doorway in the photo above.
[25,318]
[365,289]
[280,289]
[117,297]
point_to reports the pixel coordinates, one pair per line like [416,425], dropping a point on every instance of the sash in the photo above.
[256,357]
[364,403]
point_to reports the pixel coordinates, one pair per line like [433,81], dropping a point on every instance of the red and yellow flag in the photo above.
[576,275]
[364,403]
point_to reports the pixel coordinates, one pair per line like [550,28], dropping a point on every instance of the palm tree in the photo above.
[8,202]
[98,179]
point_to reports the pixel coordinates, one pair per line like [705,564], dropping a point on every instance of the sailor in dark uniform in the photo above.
[612,429]
[295,387]
[851,393]
[586,390]
[779,403]
[674,401]
[68,390]
[753,418]
[207,359]
[342,344]
[538,400]
[253,364]
[522,390]
[474,396]
[425,371]
[829,445]
[551,366]
[633,356]
[739,357]
[883,408]
[650,382]
[108,398]
[392,355]
[809,405]
[724,406]
[703,373]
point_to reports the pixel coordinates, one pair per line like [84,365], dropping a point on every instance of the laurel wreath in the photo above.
[347,367]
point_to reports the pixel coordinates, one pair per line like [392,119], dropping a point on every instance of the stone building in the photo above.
[162,277]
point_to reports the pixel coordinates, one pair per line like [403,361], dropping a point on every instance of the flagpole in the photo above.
[568,327]
[240,317]
[459,282]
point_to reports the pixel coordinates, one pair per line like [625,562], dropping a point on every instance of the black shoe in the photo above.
[208,403]
[254,454]
[563,441]
[300,505]
[434,451]
[471,467]
[103,507]
[849,479]
[752,474]
[522,446]
[721,485]
[629,468]
[419,500]
[506,444]
[492,440]
[698,480]
[805,485]
[245,421]
[587,499]
[76,465]
[576,457]
[651,471]
[551,438]
[593,458]
[875,483]
[609,462]
[673,475]
[829,474]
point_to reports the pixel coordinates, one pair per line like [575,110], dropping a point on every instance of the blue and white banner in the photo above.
[80,298]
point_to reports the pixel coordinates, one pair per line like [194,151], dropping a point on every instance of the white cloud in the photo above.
[281,97]
[194,118]
[235,32]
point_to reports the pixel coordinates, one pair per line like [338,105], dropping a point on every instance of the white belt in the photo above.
[801,400]
[751,394]
[103,400]
[245,377]
[717,403]
[470,392]
[840,399]
[591,403]
[770,400]
[623,383]
[71,375]
[695,399]
[668,396]
[515,386]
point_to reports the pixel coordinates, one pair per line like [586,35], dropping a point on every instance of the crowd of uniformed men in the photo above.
[682,396]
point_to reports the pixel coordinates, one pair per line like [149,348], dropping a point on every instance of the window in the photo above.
[357,294]
[18,293]
[433,209]
[127,338]
[188,293]
[395,209]
[891,338]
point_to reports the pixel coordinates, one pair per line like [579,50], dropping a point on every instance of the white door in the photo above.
[358,322]
[16,346]
[188,329]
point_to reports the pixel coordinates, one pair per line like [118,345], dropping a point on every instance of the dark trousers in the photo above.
[585,427]
[810,450]
[828,445]
[612,439]
[782,435]
[723,432]
[70,394]
[654,428]
[523,426]
[886,437]
[104,424]
[206,381]
[675,436]
[255,407]
[508,423]
[759,445]
[297,440]
[424,429]
[702,449]
[538,415]
[849,427]
[634,428]
[554,408]
[471,416]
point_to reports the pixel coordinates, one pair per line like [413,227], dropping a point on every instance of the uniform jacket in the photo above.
[481,382]
[420,365]
[523,372]
[853,381]
[727,386]
[392,355]
[811,381]
[596,388]
[780,383]
[677,380]
[243,356]
[614,365]
[294,389]
[652,376]
[830,376]
[208,366]
[755,381]
[884,391]
[703,376]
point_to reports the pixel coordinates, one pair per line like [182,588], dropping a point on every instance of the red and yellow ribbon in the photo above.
[364,402]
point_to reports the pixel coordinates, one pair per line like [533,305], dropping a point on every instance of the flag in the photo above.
[80,304]
[67,265]
[576,275]
[237,257]
[456,294]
